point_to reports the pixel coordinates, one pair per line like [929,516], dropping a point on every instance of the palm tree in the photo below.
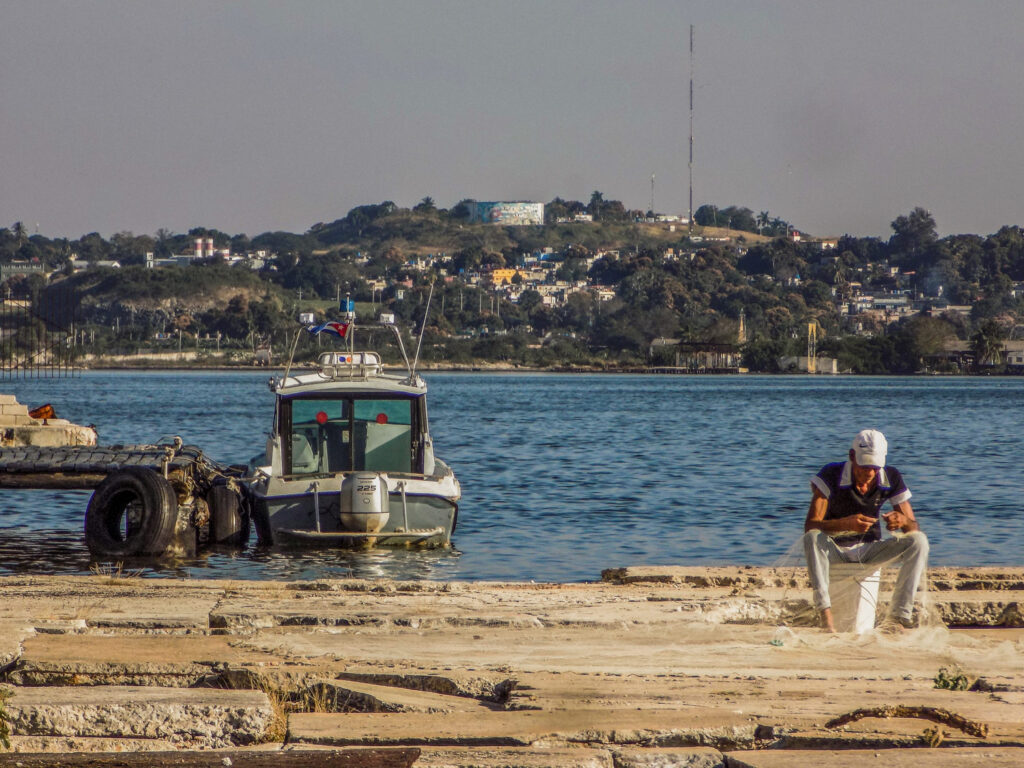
[987,343]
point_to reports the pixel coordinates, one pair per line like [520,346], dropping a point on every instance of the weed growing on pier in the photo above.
[952,679]
[114,573]
[5,731]
[278,727]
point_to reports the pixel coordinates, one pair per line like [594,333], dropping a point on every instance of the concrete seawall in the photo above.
[649,666]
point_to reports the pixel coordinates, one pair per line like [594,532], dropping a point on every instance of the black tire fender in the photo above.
[229,518]
[261,522]
[131,513]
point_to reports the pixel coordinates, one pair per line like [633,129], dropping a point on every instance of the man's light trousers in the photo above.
[911,551]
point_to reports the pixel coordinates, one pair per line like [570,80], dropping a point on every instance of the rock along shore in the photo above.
[666,666]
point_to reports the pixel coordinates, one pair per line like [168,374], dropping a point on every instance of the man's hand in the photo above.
[858,523]
[901,519]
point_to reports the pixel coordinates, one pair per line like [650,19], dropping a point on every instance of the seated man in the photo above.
[844,524]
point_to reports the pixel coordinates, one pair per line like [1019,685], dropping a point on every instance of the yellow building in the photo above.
[504,276]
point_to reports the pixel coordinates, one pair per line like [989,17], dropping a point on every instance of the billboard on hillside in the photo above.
[509,214]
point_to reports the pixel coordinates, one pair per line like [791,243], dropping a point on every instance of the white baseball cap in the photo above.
[869,448]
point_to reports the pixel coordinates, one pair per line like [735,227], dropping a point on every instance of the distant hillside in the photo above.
[416,233]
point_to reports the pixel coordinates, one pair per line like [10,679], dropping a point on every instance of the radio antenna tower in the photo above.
[689,215]
[652,194]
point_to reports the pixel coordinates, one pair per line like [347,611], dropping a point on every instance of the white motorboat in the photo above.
[350,459]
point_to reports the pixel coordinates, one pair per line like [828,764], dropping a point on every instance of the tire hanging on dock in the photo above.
[261,522]
[229,517]
[132,512]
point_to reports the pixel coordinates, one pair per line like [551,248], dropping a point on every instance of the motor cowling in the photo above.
[364,502]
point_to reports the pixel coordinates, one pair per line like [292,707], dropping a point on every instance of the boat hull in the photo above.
[286,512]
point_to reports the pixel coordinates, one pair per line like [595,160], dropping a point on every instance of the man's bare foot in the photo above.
[826,621]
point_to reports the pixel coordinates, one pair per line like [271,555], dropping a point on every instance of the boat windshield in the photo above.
[343,434]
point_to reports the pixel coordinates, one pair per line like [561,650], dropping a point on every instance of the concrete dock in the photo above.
[645,667]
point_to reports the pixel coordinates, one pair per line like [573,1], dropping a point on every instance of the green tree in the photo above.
[529,299]
[763,220]
[706,215]
[912,235]
[163,247]
[919,338]
[987,343]
[92,247]
[762,354]
[426,205]
[571,270]
[463,210]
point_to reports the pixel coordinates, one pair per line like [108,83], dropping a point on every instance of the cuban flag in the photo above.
[337,329]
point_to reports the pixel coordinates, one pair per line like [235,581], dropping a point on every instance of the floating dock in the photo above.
[149,500]
[68,467]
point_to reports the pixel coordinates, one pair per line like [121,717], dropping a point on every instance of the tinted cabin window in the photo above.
[383,431]
[341,435]
[321,435]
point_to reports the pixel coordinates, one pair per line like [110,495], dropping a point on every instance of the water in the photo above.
[564,475]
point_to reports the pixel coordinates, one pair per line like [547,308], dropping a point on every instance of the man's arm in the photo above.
[816,517]
[901,518]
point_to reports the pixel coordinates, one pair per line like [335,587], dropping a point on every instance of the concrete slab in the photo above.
[206,717]
[943,579]
[263,758]
[451,682]
[487,608]
[678,757]
[63,745]
[783,704]
[354,696]
[893,734]
[631,727]
[109,601]
[681,647]
[13,633]
[980,608]
[514,757]
[967,757]
[117,659]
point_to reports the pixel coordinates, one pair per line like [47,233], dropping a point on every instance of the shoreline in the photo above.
[501,368]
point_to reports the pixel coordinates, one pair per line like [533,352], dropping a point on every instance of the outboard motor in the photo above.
[364,502]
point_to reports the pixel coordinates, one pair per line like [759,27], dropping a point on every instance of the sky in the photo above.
[247,117]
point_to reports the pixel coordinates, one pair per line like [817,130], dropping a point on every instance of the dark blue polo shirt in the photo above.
[835,481]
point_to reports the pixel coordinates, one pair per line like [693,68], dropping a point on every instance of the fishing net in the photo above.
[858,584]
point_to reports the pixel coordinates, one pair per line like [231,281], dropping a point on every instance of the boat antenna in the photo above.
[348,314]
[291,355]
[426,314]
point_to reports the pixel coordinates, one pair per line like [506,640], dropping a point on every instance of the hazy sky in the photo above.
[255,116]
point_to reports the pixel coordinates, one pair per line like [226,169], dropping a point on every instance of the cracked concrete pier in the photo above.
[649,666]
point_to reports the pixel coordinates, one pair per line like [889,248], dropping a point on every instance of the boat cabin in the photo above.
[371,431]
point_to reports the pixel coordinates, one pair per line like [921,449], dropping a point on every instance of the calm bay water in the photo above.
[564,475]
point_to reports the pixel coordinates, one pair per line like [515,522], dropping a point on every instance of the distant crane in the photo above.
[812,346]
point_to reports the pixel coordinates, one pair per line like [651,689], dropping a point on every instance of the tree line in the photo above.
[663,284]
